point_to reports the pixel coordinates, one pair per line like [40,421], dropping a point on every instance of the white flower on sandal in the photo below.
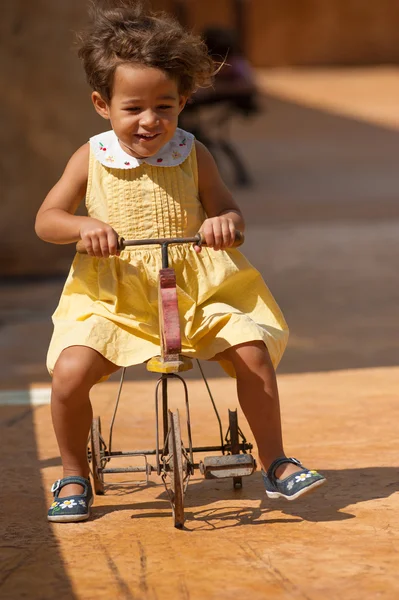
[302,476]
[68,504]
[290,484]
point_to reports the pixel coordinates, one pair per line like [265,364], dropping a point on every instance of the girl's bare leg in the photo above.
[76,371]
[259,400]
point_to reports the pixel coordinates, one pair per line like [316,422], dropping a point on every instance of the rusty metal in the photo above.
[163,380]
[116,408]
[178,473]
[234,443]
[231,465]
[198,240]
[195,449]
[157,453]
[244,444]
[214,406]
[190,443]
[97,455]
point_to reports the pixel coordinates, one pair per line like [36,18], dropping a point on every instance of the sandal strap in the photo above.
[271,472]
[60,483]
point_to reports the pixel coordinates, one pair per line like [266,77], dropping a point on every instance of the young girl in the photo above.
[148,178]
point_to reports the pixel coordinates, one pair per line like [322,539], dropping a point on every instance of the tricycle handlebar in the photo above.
[198,240]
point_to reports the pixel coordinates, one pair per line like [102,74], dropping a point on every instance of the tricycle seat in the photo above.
[169,364]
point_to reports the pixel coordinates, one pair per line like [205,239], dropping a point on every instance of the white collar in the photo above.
[108,151]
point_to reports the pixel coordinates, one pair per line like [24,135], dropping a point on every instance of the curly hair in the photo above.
[122,31]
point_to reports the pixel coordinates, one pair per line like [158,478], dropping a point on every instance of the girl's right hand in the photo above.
[99,239]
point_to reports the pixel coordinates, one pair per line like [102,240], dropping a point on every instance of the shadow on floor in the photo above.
[344,488]
[31,565]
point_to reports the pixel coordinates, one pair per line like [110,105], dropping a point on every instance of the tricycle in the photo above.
[174,459]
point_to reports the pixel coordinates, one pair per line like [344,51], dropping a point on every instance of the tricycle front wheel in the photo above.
[178,474]
[174,468]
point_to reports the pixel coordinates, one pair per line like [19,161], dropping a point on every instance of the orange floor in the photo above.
[340,542]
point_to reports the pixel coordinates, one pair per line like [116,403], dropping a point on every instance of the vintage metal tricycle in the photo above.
[174,460]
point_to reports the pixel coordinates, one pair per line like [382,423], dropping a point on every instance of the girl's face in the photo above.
[143,110]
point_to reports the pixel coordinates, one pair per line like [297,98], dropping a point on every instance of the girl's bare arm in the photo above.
[56,221]
[224,215]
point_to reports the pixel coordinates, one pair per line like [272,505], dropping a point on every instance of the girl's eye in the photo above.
[165,106]
[133,108]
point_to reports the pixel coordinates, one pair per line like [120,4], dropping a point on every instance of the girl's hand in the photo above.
[99,239]
[218,232]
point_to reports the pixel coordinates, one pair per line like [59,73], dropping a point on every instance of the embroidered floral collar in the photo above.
[108,151]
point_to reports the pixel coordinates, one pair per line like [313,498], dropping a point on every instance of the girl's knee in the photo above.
[74,371]
[251,356]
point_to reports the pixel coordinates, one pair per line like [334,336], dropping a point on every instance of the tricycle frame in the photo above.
[174,461]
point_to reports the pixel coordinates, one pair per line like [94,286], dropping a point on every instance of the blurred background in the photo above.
[303,121]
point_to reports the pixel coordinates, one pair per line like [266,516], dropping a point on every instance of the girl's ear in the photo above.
[100,105]
[182,102]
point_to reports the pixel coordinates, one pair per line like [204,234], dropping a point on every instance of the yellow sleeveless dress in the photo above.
[111,304]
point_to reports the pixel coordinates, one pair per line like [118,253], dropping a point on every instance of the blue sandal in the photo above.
[294,485]
[71,508]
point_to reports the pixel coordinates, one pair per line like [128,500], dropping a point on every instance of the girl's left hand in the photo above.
[218,232]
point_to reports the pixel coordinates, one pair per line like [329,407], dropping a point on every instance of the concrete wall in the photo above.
[46,111]
[45,116]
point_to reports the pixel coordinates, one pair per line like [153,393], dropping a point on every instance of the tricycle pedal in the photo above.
[231,465]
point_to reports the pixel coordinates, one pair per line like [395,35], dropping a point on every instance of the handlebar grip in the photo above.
[239,239]
[80,247]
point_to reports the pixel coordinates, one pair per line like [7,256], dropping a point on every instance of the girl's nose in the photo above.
[149,119]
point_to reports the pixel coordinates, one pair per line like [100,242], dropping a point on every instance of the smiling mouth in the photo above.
[146,137]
